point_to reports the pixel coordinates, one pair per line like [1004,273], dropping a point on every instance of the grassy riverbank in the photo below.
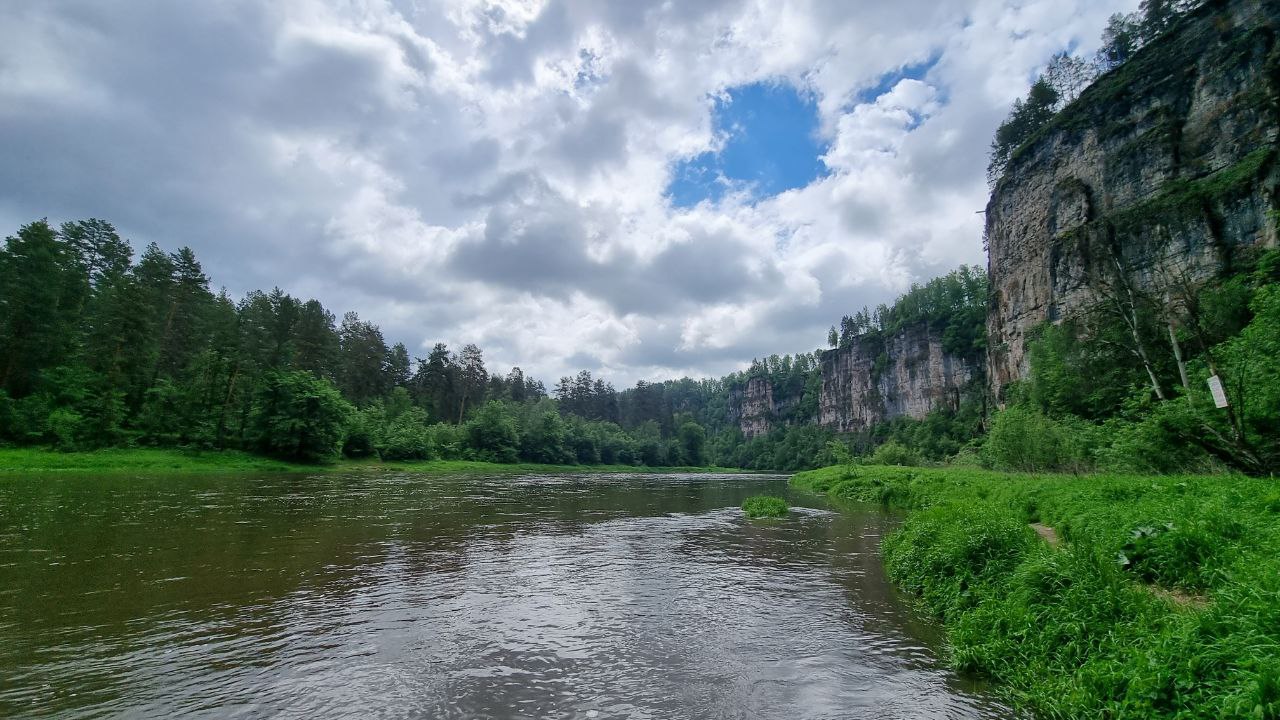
[151,460]
[1161,600]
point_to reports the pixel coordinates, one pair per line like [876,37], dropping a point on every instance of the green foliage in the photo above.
[491,434]
[141,460]
[1024,439]
[297,416]
[43,285]
[765,506]
[544,440]
[941,435]
[407,438]
[1024,121]
[797,447]
[1251,365]
[954,305]
[840,453]
[1059,360]
[895,453]
[951,554]
[693,440]
[449,441]
[1225,325]
[96,351]
[1163,601]
[1177,555]
[364,431]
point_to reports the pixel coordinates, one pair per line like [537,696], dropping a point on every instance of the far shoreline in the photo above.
[154,461]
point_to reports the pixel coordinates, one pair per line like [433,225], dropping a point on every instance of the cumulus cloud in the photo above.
[496,171]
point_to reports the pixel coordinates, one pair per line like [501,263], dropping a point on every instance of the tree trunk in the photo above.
[1177,355]
[226,405]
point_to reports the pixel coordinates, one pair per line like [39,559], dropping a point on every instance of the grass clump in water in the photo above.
[765,506]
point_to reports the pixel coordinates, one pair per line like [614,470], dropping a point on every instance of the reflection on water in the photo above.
[401,595]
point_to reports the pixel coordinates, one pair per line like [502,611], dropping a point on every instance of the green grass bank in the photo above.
[1161,600]
[18,461]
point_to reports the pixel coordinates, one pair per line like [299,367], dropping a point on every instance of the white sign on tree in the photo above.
[1219,395]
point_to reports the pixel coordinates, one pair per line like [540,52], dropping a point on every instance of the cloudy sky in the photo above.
[641,189]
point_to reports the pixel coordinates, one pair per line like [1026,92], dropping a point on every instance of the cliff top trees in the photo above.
[955,304]
[1066,76]
[1027,117]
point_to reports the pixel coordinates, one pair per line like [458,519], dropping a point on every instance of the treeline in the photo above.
[954,304]
[98,350]
[1067,75]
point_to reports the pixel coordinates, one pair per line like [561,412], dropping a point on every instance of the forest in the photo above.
[99,349]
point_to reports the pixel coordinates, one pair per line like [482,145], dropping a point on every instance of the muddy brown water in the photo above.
[402,595]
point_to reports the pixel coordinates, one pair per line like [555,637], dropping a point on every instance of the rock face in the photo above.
[1163,171]
[872,381]
[1164,168]
[909,374]
[756,409]
[865,383]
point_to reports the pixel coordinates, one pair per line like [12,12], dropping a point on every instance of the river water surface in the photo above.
[403,595]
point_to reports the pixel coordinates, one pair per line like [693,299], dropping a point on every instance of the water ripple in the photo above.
[405,596]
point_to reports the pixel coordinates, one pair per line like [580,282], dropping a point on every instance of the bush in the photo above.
[364,430]
[491,434]
[893,453]
[765,506]
[448,441]
[1026,440]
[65,427]
[298,416]
[406,438]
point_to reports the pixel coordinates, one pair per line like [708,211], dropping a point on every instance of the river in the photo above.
[400,595]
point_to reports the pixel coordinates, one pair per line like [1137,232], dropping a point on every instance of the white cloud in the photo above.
[494,171]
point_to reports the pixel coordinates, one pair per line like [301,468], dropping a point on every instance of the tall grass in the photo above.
[1163,600]
[765,506]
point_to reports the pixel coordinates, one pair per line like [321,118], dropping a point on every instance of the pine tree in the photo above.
[42,289]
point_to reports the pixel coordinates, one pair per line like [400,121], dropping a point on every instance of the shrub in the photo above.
[448,441]
[65,429]
[363,431]
[1026,440]
[894,453]
[406,438]
[298,416]
[491,434]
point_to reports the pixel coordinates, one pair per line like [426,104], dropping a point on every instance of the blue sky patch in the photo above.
[890,80]
[771,146]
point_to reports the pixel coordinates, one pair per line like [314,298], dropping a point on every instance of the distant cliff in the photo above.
[908,374]
[1167,165]
[752,407]
[873,380]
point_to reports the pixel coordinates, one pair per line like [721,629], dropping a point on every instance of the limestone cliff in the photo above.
[874,380]
[753,407]
[1165,165]
[1164,170]
[906,374]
